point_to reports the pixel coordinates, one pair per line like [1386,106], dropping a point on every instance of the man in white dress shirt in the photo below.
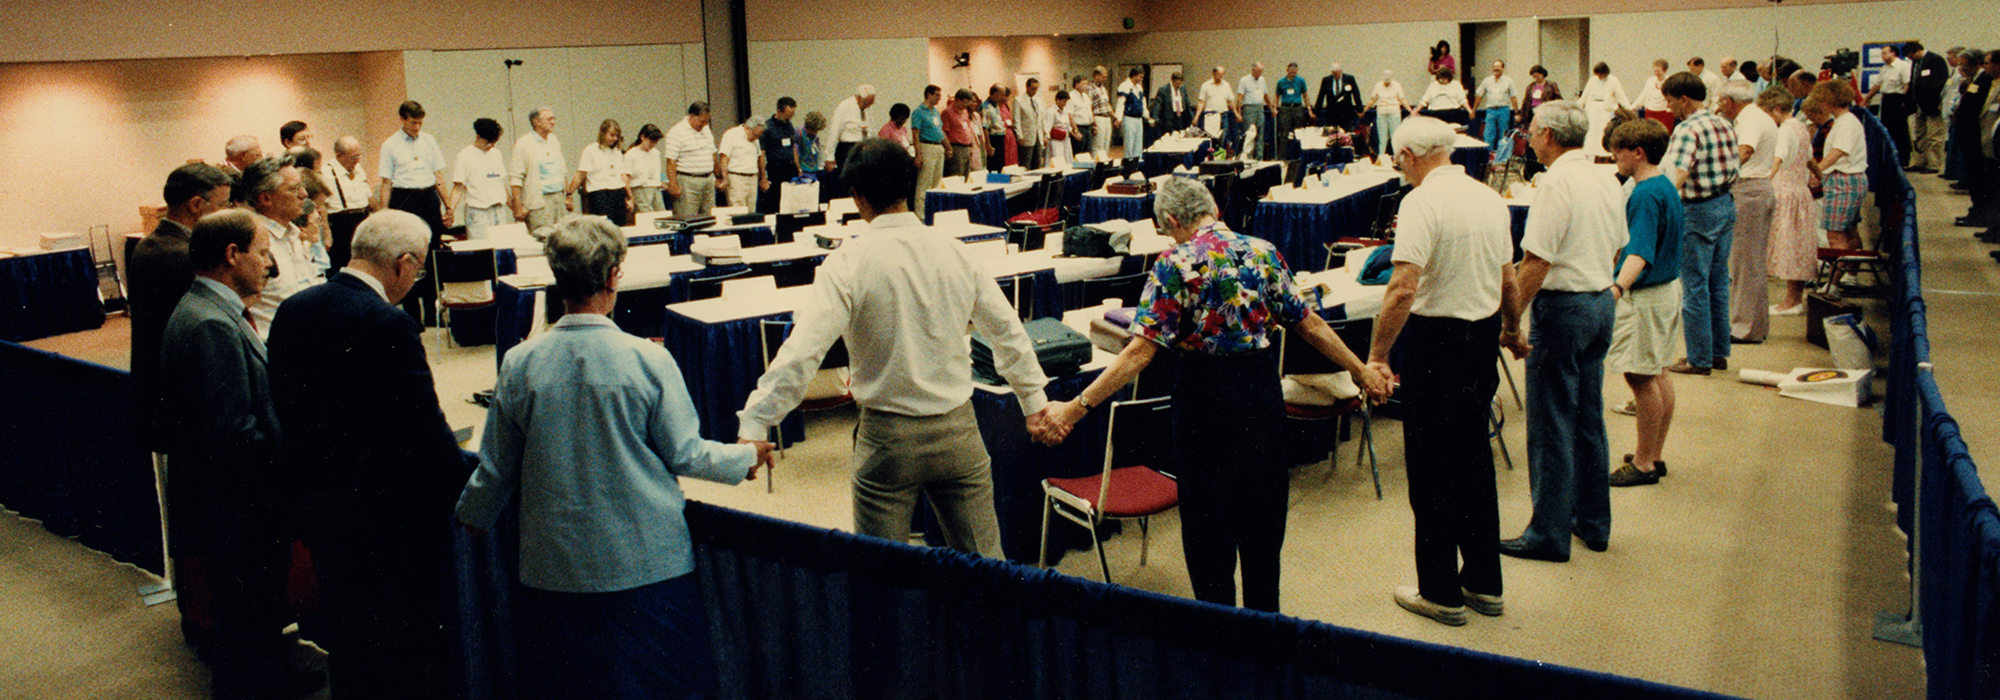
[1496,95]
[479,181]
[1709,79]
[1218,101]
[1574,234]
[691,163]
[277,193]
[1756,204]
[538,174]
[1893,85]
[850,124]
[348,204]
[743,161]
[903,297]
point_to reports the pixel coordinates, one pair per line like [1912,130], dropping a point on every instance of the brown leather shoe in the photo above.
[1682,367]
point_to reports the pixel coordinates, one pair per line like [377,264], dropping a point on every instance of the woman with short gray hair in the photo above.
[1214,300]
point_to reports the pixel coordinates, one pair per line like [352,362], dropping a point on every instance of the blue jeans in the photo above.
[1711,226]
[1568,452]
[1253,115]
[1135,138]
[1497,121]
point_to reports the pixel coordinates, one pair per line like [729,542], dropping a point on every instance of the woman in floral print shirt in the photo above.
[1214,300]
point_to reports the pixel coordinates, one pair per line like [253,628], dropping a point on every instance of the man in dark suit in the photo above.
[1339,100]
[1173,106]
[227,501]
[379,468]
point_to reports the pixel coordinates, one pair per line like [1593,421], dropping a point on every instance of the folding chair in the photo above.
[1305,359]
[1835,263]
[770,337]
[1132,492]
[1125,288]
[464,282]
[1497,418]
[1020,290]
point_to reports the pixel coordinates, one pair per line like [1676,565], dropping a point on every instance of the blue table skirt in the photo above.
[1158,164]
[1097,208]
[676,241]
[1020,464]
[1074,185]
[1474,158]
[1299,229]
[721,363]
[48,294]
[640,312]
[988,207]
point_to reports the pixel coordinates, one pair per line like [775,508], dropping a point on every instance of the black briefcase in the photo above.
[1062,351]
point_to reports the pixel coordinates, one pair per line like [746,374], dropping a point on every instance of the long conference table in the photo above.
[48,293]
[986,202]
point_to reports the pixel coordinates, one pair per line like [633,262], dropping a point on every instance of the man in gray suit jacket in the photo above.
[159,274]
[1174,114]
[226,498]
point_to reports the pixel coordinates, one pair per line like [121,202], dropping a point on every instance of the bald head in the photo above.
[241,151]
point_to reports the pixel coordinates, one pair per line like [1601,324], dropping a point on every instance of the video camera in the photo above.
[1841,61]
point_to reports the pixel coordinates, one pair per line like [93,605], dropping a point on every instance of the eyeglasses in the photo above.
[423,270]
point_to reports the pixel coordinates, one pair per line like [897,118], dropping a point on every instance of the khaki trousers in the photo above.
[943,457]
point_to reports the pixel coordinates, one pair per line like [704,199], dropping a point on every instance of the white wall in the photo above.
[1363,50]
[1629,42]
[819,74]
[1562,53]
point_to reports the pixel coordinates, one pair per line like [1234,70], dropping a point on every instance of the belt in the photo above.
[412,189]
[1698,200]
[961,145]
[930,143]
[697,174]
[752,173]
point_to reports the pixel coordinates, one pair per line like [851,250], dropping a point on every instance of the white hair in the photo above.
[346,144]
[1566,122]
[1184,199]
[240,145]
[582,251]
[864,90]
[390,234]
[1742,91]
[1425,136]
[1336,65]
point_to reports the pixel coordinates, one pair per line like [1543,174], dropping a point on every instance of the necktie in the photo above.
[247,318]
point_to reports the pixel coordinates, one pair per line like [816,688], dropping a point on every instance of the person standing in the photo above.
[1388,100]
[350,198]
[1796,217]
[1030,127]
[376,463]
[479,181]
[1929,73]
[1649,297]
[536,186]
[1213,301]
[293,134]
[1084,126]
[1292,110]
[781,154]
[995,125]
[1498,97]
[1452,293]
[601,175]
[743,162]
[412,174]
[1653,99]
[1445,99]
[961,131]
[642,162]
[276,193]
[1539,90]
[1100,114]
[1573,235]
[1703,161]
[240,152]
[692,163]
[1843,169]
[1173,105]
[1062,132]
[157,275]
[1218,105]
[927,129]
[1967,134]
[1756,208]
[1602,96]
[228,499]
[903,297]
[1253,102]
[850,125]
[1892,84]
[1134,114]
[1339,101]
[589,434]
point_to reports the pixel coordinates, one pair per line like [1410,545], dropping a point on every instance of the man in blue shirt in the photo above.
[591,429]
[1647,325]
[928,128]
[1292,110]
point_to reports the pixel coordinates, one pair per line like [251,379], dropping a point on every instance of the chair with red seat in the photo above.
[1131,492]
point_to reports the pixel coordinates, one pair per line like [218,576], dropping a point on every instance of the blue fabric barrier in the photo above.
[988,207]
[48,294]
[67,455]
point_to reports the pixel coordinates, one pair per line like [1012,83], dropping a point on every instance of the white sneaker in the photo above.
[1796,310]
[1488,605]
[1629,408]
[1409,599]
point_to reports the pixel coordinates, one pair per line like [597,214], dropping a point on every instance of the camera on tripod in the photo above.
[1841,61]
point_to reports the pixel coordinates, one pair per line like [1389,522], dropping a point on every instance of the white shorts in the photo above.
[1646,334]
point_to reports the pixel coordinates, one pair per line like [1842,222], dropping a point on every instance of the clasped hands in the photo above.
[1052,424]
[766,457]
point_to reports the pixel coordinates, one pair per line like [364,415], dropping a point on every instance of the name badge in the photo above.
[1536,93]
[786,142]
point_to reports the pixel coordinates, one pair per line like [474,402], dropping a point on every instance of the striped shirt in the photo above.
[693,152]
[1704,147]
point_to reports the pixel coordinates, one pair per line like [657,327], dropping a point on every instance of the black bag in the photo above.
[1062,351]
[1087,242]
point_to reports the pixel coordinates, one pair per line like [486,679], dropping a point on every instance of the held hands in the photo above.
[766,457]
[1052,424]
[1515,343]
[1376,383]
[765,184]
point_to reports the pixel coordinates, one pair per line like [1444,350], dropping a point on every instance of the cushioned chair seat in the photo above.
[1135,491]
[1310,412]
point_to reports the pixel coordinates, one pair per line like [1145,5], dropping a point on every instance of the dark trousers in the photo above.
[840,152]
[645,642]
[1030,157]
[388,596]
[1342,117]
[1896,117]
[1081,139]
[781,173]
[342,225]
[959,162]
[996,153]
[246,576]
[1448,381]
[609,204]
[1289,117]
[1568,450]
[422,201]
[1233,483]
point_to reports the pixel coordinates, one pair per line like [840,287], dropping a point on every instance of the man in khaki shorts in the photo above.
[1647,329]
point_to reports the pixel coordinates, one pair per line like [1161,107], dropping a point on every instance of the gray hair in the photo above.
[582,251]
[1184,199]
[864,90]
[756,121]
[1566,122]
[536,113]
[345,145]
[241,145]
[1426,136]
[388,235]
[1740,91]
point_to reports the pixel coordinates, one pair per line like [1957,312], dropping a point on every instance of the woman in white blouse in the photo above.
[1388,101]
[642,163]
[1653,100]
[1843,167]
[601,175]
[1062,131]
[1445,99]
[1602,96]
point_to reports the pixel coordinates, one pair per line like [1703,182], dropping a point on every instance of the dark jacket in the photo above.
[1163,108]
[222,481]
[1338,100]
[1927,79]
[158,274]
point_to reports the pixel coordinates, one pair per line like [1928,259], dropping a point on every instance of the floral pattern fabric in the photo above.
[1218,294]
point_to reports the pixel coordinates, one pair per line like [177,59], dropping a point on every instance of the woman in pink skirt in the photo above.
[1795,226]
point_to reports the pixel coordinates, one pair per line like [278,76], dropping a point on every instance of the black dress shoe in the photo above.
[1519,547]
[1594,545]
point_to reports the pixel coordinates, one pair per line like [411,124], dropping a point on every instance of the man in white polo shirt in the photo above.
[692,162]
[744,163]
[479,181]
[1756,205]
[1574,234]
[1451,295]
[538,174]
[1217,101]
[1253,102]
[850,124]
[412,175]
